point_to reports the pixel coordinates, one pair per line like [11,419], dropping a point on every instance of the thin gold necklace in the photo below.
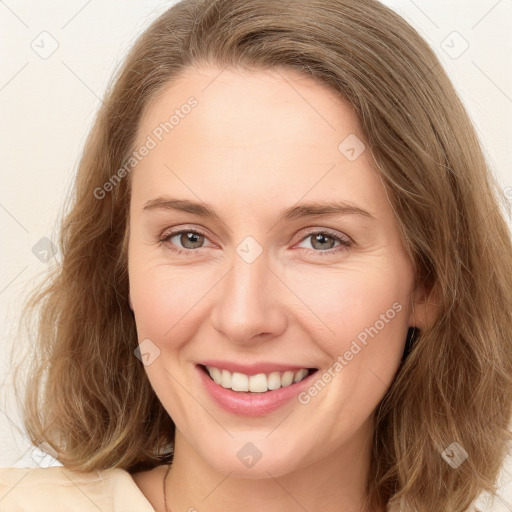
[165,493]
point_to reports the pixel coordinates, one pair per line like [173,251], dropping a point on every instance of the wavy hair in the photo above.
[88,397]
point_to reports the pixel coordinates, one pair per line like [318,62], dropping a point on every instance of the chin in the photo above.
[250,462]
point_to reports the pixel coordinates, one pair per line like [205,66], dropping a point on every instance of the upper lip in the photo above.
[254,368]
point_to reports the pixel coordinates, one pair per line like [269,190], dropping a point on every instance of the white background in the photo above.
[48,104]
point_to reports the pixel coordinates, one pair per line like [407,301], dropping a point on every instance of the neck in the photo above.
[328,485]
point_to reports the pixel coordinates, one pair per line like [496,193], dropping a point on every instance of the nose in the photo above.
[249,304]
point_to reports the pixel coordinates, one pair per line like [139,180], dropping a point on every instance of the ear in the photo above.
[425,307]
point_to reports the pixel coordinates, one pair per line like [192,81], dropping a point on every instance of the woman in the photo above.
[286,279]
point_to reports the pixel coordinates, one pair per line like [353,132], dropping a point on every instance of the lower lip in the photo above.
[252,404]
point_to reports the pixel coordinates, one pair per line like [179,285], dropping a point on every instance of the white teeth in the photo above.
[216,375]
[259,383]
[287,378]
[225,379]
[239,382]
[274,380]
[300,375]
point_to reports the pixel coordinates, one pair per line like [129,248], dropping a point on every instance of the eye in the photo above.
[186,240]
[323,242]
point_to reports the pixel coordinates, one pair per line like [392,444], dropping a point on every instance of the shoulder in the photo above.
[55,488]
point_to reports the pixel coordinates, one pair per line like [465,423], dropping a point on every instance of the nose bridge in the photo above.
[248,303]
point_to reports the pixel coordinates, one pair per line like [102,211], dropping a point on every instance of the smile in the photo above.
[253,395]
[259,383]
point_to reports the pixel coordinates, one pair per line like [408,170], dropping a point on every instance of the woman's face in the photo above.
[262,241]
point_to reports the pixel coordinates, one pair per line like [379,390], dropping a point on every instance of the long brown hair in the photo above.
[88,396]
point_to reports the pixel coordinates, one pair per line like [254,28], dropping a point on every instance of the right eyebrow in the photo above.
[183,205]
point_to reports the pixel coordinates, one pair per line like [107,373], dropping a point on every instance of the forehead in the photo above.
[251,107]
[257,132]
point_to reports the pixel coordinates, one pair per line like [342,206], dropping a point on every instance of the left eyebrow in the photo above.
[324,208]
[299,211]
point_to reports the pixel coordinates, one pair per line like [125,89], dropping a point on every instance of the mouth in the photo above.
[260,383]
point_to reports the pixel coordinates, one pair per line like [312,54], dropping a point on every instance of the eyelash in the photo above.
[345,243]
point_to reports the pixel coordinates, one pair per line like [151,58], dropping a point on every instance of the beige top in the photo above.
[56,489]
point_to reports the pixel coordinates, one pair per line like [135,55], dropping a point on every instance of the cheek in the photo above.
[357,303]
[166,300]
[365,311]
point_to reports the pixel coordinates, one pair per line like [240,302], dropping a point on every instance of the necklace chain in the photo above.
[165,492]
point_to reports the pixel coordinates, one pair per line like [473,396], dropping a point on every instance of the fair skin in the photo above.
[257,143]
